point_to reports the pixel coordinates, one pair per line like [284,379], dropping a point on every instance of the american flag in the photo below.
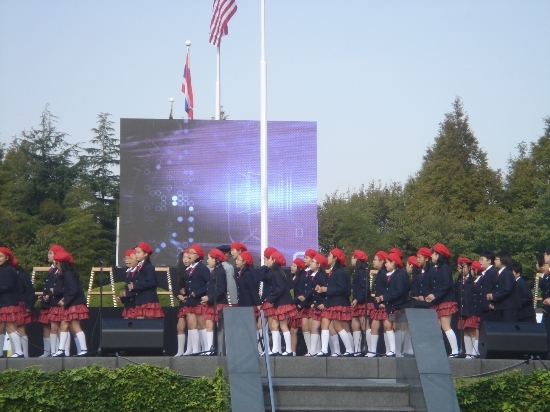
[222,11]
[186,88]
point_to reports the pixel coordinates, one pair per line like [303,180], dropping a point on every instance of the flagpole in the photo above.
[218,87]
[263,137]
[188,64]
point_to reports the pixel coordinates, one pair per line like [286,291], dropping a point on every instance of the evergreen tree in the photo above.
[455,172]
[521,182]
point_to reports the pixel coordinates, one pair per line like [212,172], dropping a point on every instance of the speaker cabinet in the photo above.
[137,337]
[512,340]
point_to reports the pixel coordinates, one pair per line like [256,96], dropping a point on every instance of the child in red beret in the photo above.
[362,300]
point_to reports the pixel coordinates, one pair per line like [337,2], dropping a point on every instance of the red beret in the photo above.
[339,254]
[397,252]
[56,248]
[269,251]
[424,251]
[216,254]
[413,261]
[381,255]
[464,261]
[145,247]
[63,256]
[359,254]
[300,263]
[477,266]
[310,253]
[7,252]
[278,258]
[198,249]
[186,250]
[320,259]
[247,257]
[129,252]
[441,249]
[238,246]
[394,257]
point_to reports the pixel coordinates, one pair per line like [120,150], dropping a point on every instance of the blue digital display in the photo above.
[198,181]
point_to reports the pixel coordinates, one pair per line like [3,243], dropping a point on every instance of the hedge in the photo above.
[512,391]
[96,388]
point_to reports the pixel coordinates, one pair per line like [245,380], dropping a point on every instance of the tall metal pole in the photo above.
[218,86]
[263,137]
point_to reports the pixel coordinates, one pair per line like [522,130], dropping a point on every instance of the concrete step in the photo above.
[326,394]
[341,409]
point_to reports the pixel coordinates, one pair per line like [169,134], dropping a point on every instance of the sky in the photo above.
[376,76]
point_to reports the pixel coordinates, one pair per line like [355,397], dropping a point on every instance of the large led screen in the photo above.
[198,181]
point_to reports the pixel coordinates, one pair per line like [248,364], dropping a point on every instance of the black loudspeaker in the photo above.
[137,337]
[512,340]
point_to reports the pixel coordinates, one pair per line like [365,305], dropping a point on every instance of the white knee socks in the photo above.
[47,348]
[307,339]
[288,342]
[16,340]
[181,344]
[391,341]
[345,339]
[357,341]
[451,337]
[276,338]
[195,340]
[368,339]
[325,337]
[82,340]
[313,344]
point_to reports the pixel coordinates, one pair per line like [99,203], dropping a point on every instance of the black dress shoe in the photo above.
[322,355]
[390,355]
[82,354]
[59,354]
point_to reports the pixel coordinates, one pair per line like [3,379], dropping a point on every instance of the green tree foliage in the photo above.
[52,194]
[454,198]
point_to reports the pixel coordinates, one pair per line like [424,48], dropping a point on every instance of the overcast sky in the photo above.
[376,76]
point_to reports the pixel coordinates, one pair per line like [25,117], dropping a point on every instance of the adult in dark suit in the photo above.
[527,311]
[505,299]
[544,285]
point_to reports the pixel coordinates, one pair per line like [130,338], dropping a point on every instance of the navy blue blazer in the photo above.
[380,284]
[361,286]
[48,283]
[470,298]
[217,286]
[26,290]
[337,289]
[9,295]
[505,296]
[72,290]
[525,296]
[263,276]
[442,284]
[145,284]
[307,291]
[421,286]
[487,284]
[320,279]
[247,290]
[196,284]
[280,289]
[300,288]
[130,299]
[397,289]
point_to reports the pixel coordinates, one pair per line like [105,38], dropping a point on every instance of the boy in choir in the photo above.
[527,311]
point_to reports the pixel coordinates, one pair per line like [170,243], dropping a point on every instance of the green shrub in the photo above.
[97,388]
[510,392]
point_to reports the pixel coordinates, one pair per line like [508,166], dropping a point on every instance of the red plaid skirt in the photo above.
[305,312]
[282,312]
[44,317]
[315,314]
[295,322]
[469,322]
[181,312]
[197,310]
[268,309]
[378,314]
[10,313]
[149,310]
[76,312]
[337,313]
[208,311]
[256,312]
[129,313]
[359,310]
[55,314]
[25,317]
[445,308]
